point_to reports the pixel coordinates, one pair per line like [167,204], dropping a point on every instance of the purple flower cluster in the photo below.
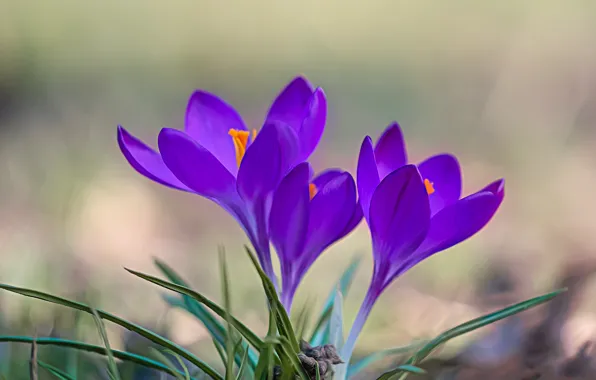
[263,179]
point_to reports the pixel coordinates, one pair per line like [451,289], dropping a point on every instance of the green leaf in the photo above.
[336,334]
[62,375]
[104,337]
[303,319]
[227,308]
[293,358]
[250,336]
[126,356]
[167,362]
[243,366]
[220,352]
[474,324]
[283,320]
[182,365]
[155,338]
[365,362]
[321,330]
[203,314]
[267,359]
[411,369]
[212,325]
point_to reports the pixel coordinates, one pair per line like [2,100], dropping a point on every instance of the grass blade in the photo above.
[283,320]
[267,359]
[104,337]
[474,324]
[126,356]
[367,361]
[203,314]
[220,352]
[166,361]
[62,375]
[344,284]
[182,365]
[227,308]
[155,338]
[33,362]
[243,366]
[250,336]
[293,358]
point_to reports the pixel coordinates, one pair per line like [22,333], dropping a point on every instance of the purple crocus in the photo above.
[307,217]
[413,212]
[217,157]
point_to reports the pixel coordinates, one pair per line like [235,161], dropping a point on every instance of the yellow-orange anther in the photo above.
[430,188]
[312,190]
[254,135]
[240,139]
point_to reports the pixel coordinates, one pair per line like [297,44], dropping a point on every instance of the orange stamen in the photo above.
[240,140]
[430,188]
[312,190]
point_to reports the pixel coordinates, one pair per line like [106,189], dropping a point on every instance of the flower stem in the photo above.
[361,317]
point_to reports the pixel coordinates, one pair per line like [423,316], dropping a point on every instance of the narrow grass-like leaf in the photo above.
[155,338]
[317,374]
[344,284]
[250,336]
[408,368]
[182,365]
[212,325]
[266,359]
[220,352]
[166,361]
[104,337]
[62,375]
[215,328]
[336,334]
[474,324]
[227,308]
[303,319]
[243,366]
[293,358]
[33,362]
[283,321]
[367,361]
[126,356]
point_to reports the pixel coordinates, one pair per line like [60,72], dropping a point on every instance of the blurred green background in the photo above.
[507,86]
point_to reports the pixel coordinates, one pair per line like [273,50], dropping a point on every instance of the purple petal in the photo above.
[288,107]
[195,166]
[399,216]
[497,188]
[266,161]
[288,220]
[146,160]
[313,124]
[390,151]
[208,121]
[366,175]
[459,221]
[444,173]
[326,176]
[332,209]
[356,218]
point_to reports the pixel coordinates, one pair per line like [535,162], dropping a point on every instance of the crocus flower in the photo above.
[217,157]
[307,217]
[413,212]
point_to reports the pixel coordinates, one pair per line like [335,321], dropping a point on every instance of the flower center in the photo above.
[430,188]
[312,190]
[240,140]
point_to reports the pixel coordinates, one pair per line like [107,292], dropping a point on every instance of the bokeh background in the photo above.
[507,86]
